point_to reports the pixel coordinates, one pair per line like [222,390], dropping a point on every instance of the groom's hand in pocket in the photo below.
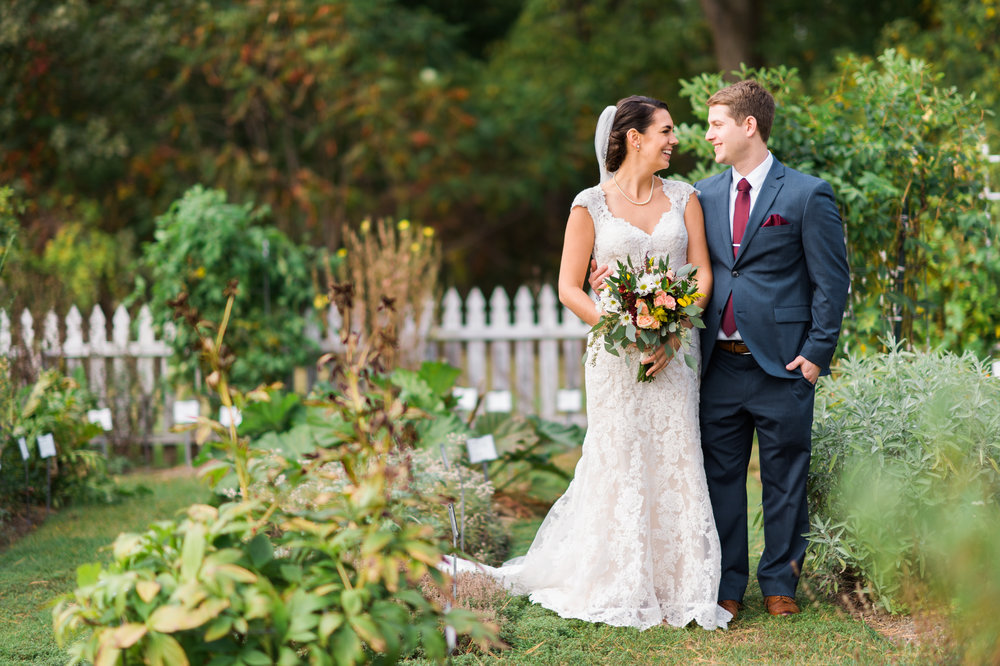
[808,369]
[597,275]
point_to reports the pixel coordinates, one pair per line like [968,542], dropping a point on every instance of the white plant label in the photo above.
[186,411]
[481,449]
[101,417]
[46,445]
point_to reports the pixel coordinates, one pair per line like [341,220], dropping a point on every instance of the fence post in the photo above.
[500,346]
[98,348]
[475,350]
[4,333]
[548,351]
[524,350]
[451,322]
[74,348]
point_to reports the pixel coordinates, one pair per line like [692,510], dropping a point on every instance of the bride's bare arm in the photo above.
[697,252]
[577,247]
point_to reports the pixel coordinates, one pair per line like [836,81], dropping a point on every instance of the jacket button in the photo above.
[736,273]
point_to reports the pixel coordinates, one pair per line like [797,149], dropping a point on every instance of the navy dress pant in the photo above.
[738,398]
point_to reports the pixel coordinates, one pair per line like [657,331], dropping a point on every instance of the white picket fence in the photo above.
[522,355]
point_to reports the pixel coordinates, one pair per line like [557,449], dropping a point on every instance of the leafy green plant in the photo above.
[202,243]
[54,404]
[526,446]
[278,414]
[268,578]
[905,480]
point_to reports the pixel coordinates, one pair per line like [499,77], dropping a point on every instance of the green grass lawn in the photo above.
[42,565]
[822,634]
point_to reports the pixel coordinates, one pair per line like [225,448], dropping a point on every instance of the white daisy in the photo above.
[609,303]
[645,285]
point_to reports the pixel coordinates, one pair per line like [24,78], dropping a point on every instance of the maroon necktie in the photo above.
[740,214]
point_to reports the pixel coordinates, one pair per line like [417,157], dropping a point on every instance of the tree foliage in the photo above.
[474,119]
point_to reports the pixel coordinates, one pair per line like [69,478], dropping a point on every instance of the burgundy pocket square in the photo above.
[775,221]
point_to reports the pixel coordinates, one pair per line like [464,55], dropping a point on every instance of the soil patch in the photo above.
[927,630]
[20,523]
[519,506]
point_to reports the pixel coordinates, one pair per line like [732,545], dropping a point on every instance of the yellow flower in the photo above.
[200,272]
[320,301]
[342,252]
[366,224]
[428,232]
[684,301]
[415,247]
[403,225]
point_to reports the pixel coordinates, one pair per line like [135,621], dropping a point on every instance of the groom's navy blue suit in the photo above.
[789,285]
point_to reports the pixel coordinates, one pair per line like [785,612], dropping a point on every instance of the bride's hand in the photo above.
[659,358]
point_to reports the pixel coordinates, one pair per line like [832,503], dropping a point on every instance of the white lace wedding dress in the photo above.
[632,542]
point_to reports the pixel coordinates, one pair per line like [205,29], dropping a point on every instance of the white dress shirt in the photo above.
[756,180]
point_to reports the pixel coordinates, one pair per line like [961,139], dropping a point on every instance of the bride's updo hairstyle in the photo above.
[633,112]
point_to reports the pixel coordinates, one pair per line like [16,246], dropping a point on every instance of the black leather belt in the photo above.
[733,347]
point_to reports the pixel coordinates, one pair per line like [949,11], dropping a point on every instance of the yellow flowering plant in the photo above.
[645,305]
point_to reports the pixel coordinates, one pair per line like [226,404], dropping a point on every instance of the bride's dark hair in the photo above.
[635,111]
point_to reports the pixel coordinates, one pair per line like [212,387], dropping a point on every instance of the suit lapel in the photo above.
[769,190]
[716,206]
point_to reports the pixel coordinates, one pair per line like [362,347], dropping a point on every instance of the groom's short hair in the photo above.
[748,98]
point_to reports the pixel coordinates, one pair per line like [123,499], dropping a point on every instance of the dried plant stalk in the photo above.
[394,269]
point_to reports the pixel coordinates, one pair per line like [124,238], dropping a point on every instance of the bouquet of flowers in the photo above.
[644,305]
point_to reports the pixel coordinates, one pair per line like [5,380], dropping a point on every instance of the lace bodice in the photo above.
[615,239]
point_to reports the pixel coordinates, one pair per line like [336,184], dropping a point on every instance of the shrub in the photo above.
[905,485]
[53,404]
[201,243]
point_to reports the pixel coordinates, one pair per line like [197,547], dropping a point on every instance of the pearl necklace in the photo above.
[630,199]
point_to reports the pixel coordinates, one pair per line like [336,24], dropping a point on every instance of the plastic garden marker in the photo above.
[186,411]
[101,417]
[482,450]
[449,631]
[24,457]
[47,450]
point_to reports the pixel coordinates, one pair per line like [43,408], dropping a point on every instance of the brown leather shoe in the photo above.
[734,607]
[781,605]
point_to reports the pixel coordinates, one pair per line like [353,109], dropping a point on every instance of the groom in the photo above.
[781,279]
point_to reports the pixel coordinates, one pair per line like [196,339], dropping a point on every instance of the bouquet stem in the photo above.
[642,377]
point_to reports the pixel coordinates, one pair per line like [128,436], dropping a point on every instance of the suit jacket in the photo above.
[790,279]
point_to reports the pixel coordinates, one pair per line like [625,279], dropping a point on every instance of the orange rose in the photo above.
[663,299]
[647,321]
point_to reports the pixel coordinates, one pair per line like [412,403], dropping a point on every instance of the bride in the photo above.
[632,542]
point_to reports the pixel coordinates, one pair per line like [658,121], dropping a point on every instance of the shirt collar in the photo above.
[755,177]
